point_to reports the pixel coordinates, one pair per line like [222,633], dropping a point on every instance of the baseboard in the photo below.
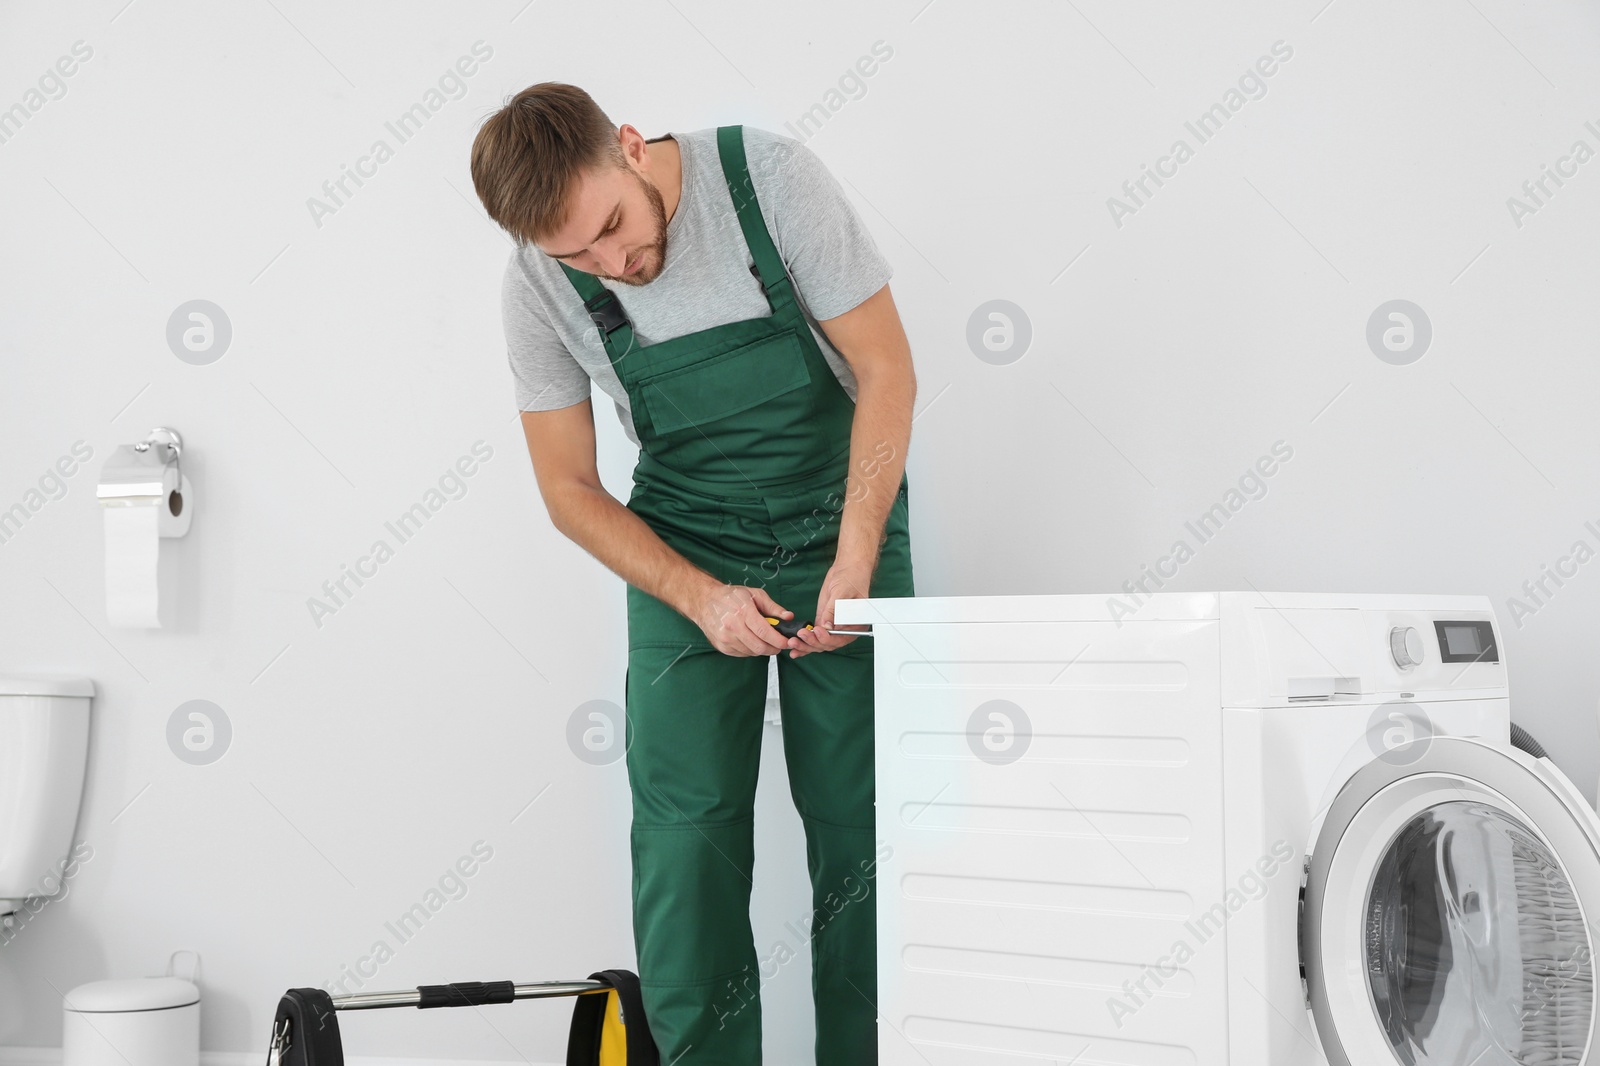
[51,1056]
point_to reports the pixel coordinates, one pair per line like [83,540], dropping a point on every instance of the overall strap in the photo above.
[605,311]
[769,268]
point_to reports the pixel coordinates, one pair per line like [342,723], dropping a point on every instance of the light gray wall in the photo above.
[1167,354]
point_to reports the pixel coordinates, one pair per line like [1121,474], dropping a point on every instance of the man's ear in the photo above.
[633,144]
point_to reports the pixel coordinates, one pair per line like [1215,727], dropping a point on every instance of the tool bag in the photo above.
[611,1030]
[608,1022]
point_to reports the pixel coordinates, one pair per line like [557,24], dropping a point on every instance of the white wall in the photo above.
[370,753]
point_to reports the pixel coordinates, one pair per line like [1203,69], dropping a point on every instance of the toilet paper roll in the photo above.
[133,551]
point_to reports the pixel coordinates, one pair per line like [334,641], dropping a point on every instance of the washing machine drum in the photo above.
[1450,913]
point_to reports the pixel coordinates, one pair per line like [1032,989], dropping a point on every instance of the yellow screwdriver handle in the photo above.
[790,628]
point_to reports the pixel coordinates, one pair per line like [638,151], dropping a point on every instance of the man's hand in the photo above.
[734,620]
[847,579]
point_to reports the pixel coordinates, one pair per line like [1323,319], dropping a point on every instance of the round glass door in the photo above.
[1448,914]
[1476,950]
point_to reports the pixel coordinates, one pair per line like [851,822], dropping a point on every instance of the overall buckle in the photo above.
[606,312]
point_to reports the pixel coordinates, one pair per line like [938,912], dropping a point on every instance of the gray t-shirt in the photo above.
[554,348]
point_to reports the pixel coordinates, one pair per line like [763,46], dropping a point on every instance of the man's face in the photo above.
[616,229]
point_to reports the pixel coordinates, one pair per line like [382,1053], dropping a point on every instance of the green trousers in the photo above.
[694,730]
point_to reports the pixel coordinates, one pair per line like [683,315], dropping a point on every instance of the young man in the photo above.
[721,290]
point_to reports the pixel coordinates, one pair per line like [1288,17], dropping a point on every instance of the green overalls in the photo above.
[744,437]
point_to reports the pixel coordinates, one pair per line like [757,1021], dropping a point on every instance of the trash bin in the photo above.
[145,1021]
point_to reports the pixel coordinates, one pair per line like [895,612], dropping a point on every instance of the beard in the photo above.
[653,256]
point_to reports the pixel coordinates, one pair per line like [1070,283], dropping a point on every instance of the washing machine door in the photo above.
[1450,912]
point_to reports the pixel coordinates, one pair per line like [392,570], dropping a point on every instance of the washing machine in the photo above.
[1220,828]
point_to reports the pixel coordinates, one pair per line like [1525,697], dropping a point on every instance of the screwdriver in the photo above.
[793,627]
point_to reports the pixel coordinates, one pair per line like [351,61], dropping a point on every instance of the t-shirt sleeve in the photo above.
[545,374]
[828,249]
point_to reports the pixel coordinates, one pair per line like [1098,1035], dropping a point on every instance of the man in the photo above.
[721,290]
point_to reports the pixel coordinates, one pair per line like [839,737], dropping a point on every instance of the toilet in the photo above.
[44,749]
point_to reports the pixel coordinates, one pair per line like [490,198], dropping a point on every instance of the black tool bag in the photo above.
[305,1031]
[608,1022]
[604,1026]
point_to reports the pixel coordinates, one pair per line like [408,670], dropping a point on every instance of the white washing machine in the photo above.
[1230,828]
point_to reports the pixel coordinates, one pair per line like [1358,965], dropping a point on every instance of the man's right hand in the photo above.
[734,620]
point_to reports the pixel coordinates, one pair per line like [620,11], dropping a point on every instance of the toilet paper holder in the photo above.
[135,473]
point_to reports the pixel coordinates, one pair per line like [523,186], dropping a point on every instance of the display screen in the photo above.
[1462,640]
[1466,642]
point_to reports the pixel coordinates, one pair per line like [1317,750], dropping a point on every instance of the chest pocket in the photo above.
[726,384]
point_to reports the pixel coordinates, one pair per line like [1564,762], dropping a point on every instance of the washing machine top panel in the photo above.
[45,685]
[1136,606]
[1278,649]
[938,610]
[1449,913]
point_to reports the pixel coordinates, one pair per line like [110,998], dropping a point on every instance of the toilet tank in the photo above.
[44,749]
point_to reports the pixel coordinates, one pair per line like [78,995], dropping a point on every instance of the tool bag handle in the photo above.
[305,1031]
[591,1015]
[465,994]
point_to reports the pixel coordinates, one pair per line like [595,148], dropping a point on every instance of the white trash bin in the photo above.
[145,1021]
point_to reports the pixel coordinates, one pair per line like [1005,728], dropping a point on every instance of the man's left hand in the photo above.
[846,580]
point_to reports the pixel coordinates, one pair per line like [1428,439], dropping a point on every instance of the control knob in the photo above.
[1405,644]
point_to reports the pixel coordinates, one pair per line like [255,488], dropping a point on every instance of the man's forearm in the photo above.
[599,523]
[879,437]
